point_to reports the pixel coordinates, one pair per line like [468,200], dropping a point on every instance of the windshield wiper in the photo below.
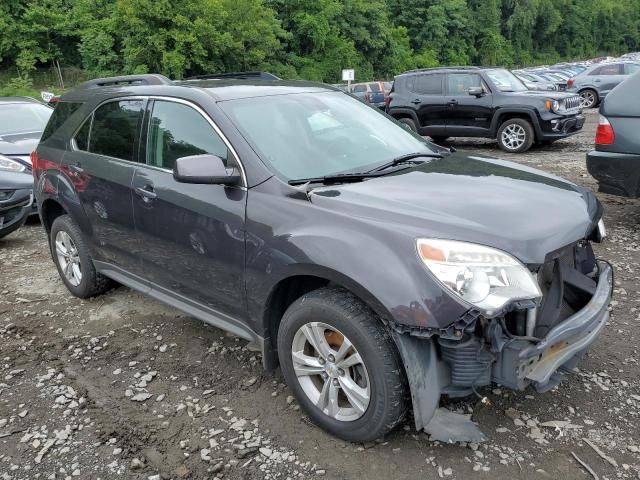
[337,178]
[404,159]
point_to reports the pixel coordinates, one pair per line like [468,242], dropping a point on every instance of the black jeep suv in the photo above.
[482,102]
[378,269]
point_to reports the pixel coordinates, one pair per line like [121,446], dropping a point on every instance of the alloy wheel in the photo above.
[587,99]
[514,136]
[330,371]
[68,258]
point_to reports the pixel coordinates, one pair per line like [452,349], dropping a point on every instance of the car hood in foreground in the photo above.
[19,143]
[520,210]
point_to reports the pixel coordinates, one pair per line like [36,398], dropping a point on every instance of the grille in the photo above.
[572,103]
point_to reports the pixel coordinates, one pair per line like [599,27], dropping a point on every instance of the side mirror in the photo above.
[476,91]
[205,169]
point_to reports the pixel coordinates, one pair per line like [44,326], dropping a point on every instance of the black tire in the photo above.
[409,123]
[439,139]
[345,312]
[521,125]
[92,283]
[590,98]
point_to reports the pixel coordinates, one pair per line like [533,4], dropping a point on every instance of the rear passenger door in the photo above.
[607,77]
[426,92]
[193,235]
[100,165]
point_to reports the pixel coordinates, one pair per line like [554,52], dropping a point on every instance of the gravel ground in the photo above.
[122,386]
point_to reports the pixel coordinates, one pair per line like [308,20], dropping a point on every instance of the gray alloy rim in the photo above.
[68,258]
[588,99]
[330,371]
[514,136]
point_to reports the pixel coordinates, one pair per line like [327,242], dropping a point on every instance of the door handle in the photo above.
[146,193]
[76,168]
[453,102]
[416,101]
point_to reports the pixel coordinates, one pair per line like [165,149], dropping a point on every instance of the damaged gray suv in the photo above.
[378,270]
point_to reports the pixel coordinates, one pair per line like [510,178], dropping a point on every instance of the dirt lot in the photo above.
[124,387]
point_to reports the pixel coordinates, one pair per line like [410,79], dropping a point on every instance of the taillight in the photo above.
[605,134]
[387,101]
[570,82]
[34,161]
[367,98]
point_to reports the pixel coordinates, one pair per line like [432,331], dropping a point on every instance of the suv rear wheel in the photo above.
[73,261]
[409,123]
[588,98]
[342,365]
[438,139]
[515,135]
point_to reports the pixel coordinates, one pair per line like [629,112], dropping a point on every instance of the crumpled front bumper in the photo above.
[563,346]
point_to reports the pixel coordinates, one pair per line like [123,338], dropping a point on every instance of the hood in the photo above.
[553,95]
[525,212]
[21,144]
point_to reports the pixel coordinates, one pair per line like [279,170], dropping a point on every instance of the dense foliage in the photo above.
[312,39]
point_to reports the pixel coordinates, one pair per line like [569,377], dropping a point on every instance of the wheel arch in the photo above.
[526,114]
[49,211]
[298,283]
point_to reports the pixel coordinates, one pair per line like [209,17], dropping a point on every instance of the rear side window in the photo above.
[177,131]
[61,113]
[115,129]
[82,137]
[359,88]
[430,84]
[613,69]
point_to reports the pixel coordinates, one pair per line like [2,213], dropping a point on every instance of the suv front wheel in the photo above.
[342,365]
[515,135]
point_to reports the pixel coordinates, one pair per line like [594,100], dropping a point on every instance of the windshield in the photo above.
[23,117]
[505,81]
[308,135]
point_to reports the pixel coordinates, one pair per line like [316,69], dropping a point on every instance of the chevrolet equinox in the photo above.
[378,270]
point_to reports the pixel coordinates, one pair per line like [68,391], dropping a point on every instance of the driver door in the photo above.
[468,115]
[193,235]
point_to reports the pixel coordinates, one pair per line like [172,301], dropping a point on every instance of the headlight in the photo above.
[553,105]
[10,164]
[483,276]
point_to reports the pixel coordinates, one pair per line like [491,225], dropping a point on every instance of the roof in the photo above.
[454,68]
[220,90]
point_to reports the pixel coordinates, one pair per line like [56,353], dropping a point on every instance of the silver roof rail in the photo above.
[145,79]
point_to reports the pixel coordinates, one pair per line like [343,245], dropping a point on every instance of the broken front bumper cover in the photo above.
[522,362]
[518,362]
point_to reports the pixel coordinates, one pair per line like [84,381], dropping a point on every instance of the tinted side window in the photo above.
[115,127]
[82,137]
[613,69]
[177,130]
[359,88]
[460,83]
[430,84]
[375,87]
[61,113]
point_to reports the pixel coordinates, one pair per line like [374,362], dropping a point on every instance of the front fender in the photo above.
[501,113]
[289,236]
